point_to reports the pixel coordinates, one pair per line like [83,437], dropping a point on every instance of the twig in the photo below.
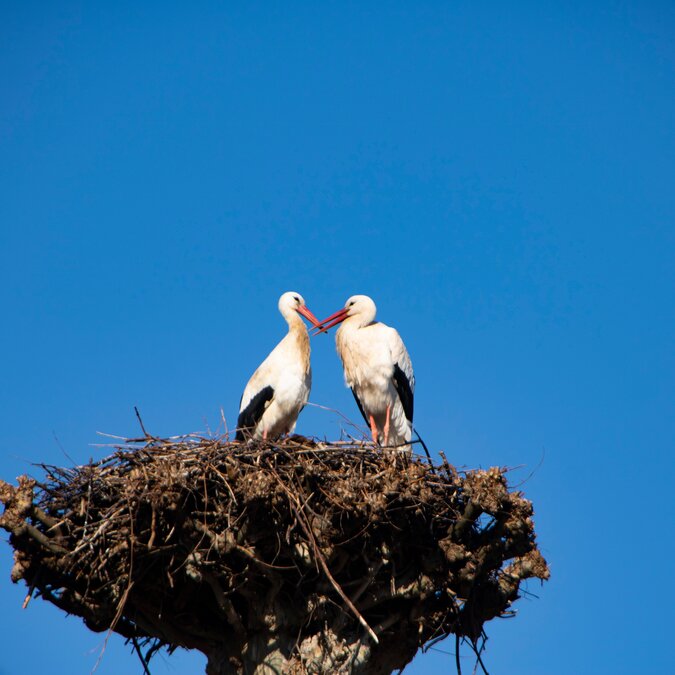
[457,662]
[536,468]
[30,590]
[146,670]
[478,658]
[140,421]
[424,445]
[341,414]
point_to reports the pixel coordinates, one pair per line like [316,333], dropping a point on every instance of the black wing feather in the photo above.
[358,403]
[251,414]
[405,392]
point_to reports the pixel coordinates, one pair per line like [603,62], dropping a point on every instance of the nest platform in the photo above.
[296,556]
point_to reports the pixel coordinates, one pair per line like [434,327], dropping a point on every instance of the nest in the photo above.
[295,556]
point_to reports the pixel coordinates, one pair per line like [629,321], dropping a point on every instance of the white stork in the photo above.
[377,369]
[279,388]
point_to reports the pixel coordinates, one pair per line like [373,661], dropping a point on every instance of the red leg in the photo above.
[386,425]
[373,429]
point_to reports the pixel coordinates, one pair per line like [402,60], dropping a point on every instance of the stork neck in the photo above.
[295,322]
[360,320]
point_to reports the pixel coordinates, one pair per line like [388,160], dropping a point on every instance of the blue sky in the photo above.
[498,177]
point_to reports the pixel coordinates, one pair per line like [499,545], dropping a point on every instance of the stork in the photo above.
[279,388]
[377,369]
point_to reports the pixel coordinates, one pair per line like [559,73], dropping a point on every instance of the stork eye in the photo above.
[296,298]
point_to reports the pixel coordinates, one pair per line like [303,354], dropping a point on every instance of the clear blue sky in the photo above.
[498,176]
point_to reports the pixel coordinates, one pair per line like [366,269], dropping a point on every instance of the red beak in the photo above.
[332,320]
[308,315]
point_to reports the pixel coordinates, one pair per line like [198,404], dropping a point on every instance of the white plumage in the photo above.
[377,369]
[279,388]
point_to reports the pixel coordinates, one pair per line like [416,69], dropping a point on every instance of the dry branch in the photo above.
[293,557]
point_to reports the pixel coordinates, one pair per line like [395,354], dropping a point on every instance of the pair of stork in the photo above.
[376,365]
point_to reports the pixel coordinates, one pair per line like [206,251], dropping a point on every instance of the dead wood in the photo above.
[291,557]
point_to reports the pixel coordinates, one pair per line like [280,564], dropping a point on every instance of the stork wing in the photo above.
[251,414]
[405,392]
[404,378]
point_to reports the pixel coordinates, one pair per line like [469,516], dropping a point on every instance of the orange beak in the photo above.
[332,320]
[308,315]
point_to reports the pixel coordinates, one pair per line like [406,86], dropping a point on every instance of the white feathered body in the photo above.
[369,356]
[287,371]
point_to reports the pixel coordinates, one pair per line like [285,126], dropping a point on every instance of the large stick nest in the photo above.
[206,544]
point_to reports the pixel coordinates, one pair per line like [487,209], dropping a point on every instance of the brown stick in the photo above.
[322,561]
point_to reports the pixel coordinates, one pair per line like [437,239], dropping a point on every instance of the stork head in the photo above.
[361,307]
[292,302]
